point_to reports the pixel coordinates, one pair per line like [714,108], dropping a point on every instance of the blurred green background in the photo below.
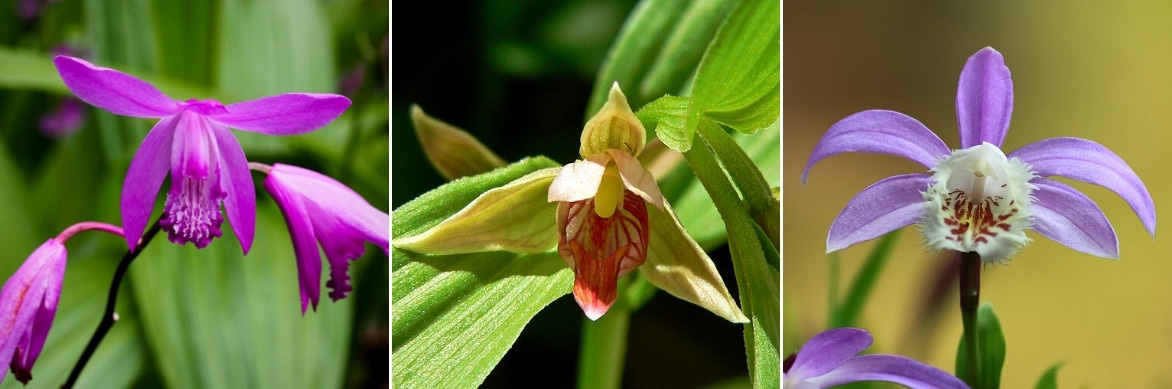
[211,317]
[1093,70]
[517,75]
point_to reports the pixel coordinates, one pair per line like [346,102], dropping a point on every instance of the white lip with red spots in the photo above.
[980,202]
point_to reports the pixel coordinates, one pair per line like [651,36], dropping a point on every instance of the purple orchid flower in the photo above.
[68,117]
[192,141]
[319,209]
[829,359]
[978,198]
[28,303]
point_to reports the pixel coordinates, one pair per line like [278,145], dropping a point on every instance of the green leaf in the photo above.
[25,69]
[847,313]
[1049,379]
[669,116]
[455,316]
[685,46]
[757,281]
[738,83]
[214,318]
[990,350]
[639,40]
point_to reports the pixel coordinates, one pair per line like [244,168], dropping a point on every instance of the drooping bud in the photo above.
[614,127]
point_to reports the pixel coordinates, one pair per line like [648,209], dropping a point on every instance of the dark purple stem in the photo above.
[970,296]
[109,317]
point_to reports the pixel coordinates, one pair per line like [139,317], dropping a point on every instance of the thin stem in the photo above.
[970,295]
[604,347]
[109,317]
[83,226]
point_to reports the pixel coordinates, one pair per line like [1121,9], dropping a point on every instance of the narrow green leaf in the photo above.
[990,350]
[639,40]
[685,46]
[756,280]
[214,318]
[1049,379]
[738,83]
[455,316]
[26,69]
[846,314]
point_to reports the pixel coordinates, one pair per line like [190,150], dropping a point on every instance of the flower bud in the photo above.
[613,127]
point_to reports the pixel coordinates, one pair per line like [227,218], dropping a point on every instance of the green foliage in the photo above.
[455,316]
[846,313]
[1049,379]
[990,350]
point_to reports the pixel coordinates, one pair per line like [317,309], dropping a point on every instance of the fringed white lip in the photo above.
[979,201]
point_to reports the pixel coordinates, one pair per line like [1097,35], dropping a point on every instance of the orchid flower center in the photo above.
[204,107]
[192,210]
[980,202]
[610,192]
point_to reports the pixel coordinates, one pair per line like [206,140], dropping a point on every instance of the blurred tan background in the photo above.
[1095,70]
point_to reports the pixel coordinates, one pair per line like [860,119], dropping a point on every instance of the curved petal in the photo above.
[334,199]
[304,245]
[890,368]
[113,90]
[882,132]
[1090,162]
[579,180]
[677,264]
[883,207]
[287,114]
[984,99]
[1069,217]
[636,178]
[515,217]
[827,351]
[144,178]
[240,196]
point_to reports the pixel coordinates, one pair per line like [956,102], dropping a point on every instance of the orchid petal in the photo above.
[677,264]
[889,368]
[513,217]
[304,244]
[579,180]
[885,206]
[236,181]
[882,132]
[827,350]
[984,99]
[453,152]
[1090,162]
[345,206]
[287,114]
[1069,217]
[27,300]
[636,178]
[112,90]
[144,178]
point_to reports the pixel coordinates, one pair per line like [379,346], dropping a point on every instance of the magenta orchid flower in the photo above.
[29,299]
[192,142]
[319,209]
[28,303]
[979,199]
[830,358]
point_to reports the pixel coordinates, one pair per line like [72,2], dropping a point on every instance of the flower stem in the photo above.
[604,347]
[109,317]
[970,295]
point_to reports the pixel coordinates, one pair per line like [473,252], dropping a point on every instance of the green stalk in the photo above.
[604,347]
[763,207]
[970,295]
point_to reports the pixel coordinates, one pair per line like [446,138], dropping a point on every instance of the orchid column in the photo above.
[978,200]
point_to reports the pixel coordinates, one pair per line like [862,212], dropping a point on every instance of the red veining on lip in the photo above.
[601,250]
[978,219]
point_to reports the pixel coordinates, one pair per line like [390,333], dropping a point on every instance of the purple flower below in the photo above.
[28,303]
[319,209]
[192,142]
[830,358]
[978,199]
